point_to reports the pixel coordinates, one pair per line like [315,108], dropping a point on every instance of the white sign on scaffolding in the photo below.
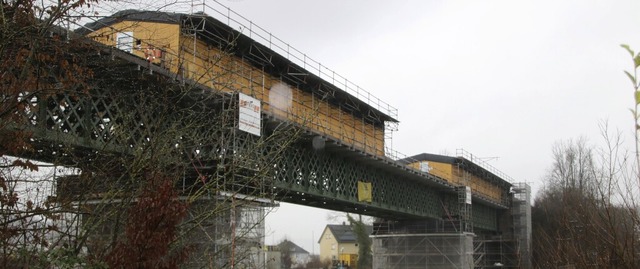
[468,195]
[124,41]
[249,114]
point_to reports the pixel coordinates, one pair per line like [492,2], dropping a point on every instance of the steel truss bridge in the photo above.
[128,110]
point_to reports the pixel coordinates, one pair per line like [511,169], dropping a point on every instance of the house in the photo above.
[297,255]
[272,257]
[338,244]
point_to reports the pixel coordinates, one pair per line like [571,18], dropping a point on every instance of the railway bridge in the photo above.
[234,107]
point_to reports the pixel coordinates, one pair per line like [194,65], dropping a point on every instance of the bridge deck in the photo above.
[129,109]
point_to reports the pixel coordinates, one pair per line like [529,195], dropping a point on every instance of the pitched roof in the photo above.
[428,157]
[344,233]
[132,15]
[286,244]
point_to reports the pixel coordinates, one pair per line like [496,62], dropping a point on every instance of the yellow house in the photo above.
[338,244]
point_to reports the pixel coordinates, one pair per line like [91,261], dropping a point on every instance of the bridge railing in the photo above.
[197,68]
[490,192]
[482,163]
[410,162]
[264,37]
[245,26]
[396,156]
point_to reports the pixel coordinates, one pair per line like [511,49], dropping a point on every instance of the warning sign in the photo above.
[364,192]
[249,114]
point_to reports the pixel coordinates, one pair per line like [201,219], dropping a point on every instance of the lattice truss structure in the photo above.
[131,115]
[127,113]
[141,108]
[512,249]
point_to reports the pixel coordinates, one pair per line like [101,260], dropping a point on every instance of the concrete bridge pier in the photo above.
[220,230]
[225,233]
[421,244]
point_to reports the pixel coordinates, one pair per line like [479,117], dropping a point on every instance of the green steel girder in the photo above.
[125,112]
[321,177]
[485,217]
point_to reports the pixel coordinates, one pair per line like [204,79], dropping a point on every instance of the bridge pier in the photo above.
[216,233]
[220,229]
[421,244]
[454,242]
[225,234]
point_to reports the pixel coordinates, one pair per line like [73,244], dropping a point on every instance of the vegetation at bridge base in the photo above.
[315,262]
[151,228]
[34,60]
[285,247]
[365,257]
[116,203]
[587,214]
[581,217]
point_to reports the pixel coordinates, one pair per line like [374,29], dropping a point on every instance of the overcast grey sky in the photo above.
[498,78]
[502,79]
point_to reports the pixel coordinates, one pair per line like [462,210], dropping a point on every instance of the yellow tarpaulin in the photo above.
[364,192]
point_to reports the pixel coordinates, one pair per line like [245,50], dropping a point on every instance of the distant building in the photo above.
[298,256]
[338,244]
[272,257]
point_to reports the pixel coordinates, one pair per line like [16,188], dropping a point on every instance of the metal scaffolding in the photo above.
[512,249]
[230,221]
[232,235]
[449,242]
[221,232]
[521,212]
[409,251]
[497,252]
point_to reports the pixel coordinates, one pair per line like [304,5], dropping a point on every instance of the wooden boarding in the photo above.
[456,176]
[212,67]
[163,44]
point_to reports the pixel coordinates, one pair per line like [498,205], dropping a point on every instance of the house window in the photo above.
[333,246]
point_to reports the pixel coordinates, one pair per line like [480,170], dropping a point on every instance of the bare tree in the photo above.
[286,251]
[35,60]
[584,217]
[316,263]
[365,257]
[587,214]
[171,168]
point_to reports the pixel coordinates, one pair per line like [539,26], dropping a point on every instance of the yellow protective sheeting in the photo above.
[364,192]
[164,45]
[442,170]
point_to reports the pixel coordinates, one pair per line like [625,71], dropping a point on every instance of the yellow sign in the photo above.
[364,192]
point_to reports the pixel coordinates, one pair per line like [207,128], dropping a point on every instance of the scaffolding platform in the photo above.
[437,250]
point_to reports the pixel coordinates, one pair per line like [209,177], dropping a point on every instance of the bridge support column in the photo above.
[218,232]
[420,244]
[225,233]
